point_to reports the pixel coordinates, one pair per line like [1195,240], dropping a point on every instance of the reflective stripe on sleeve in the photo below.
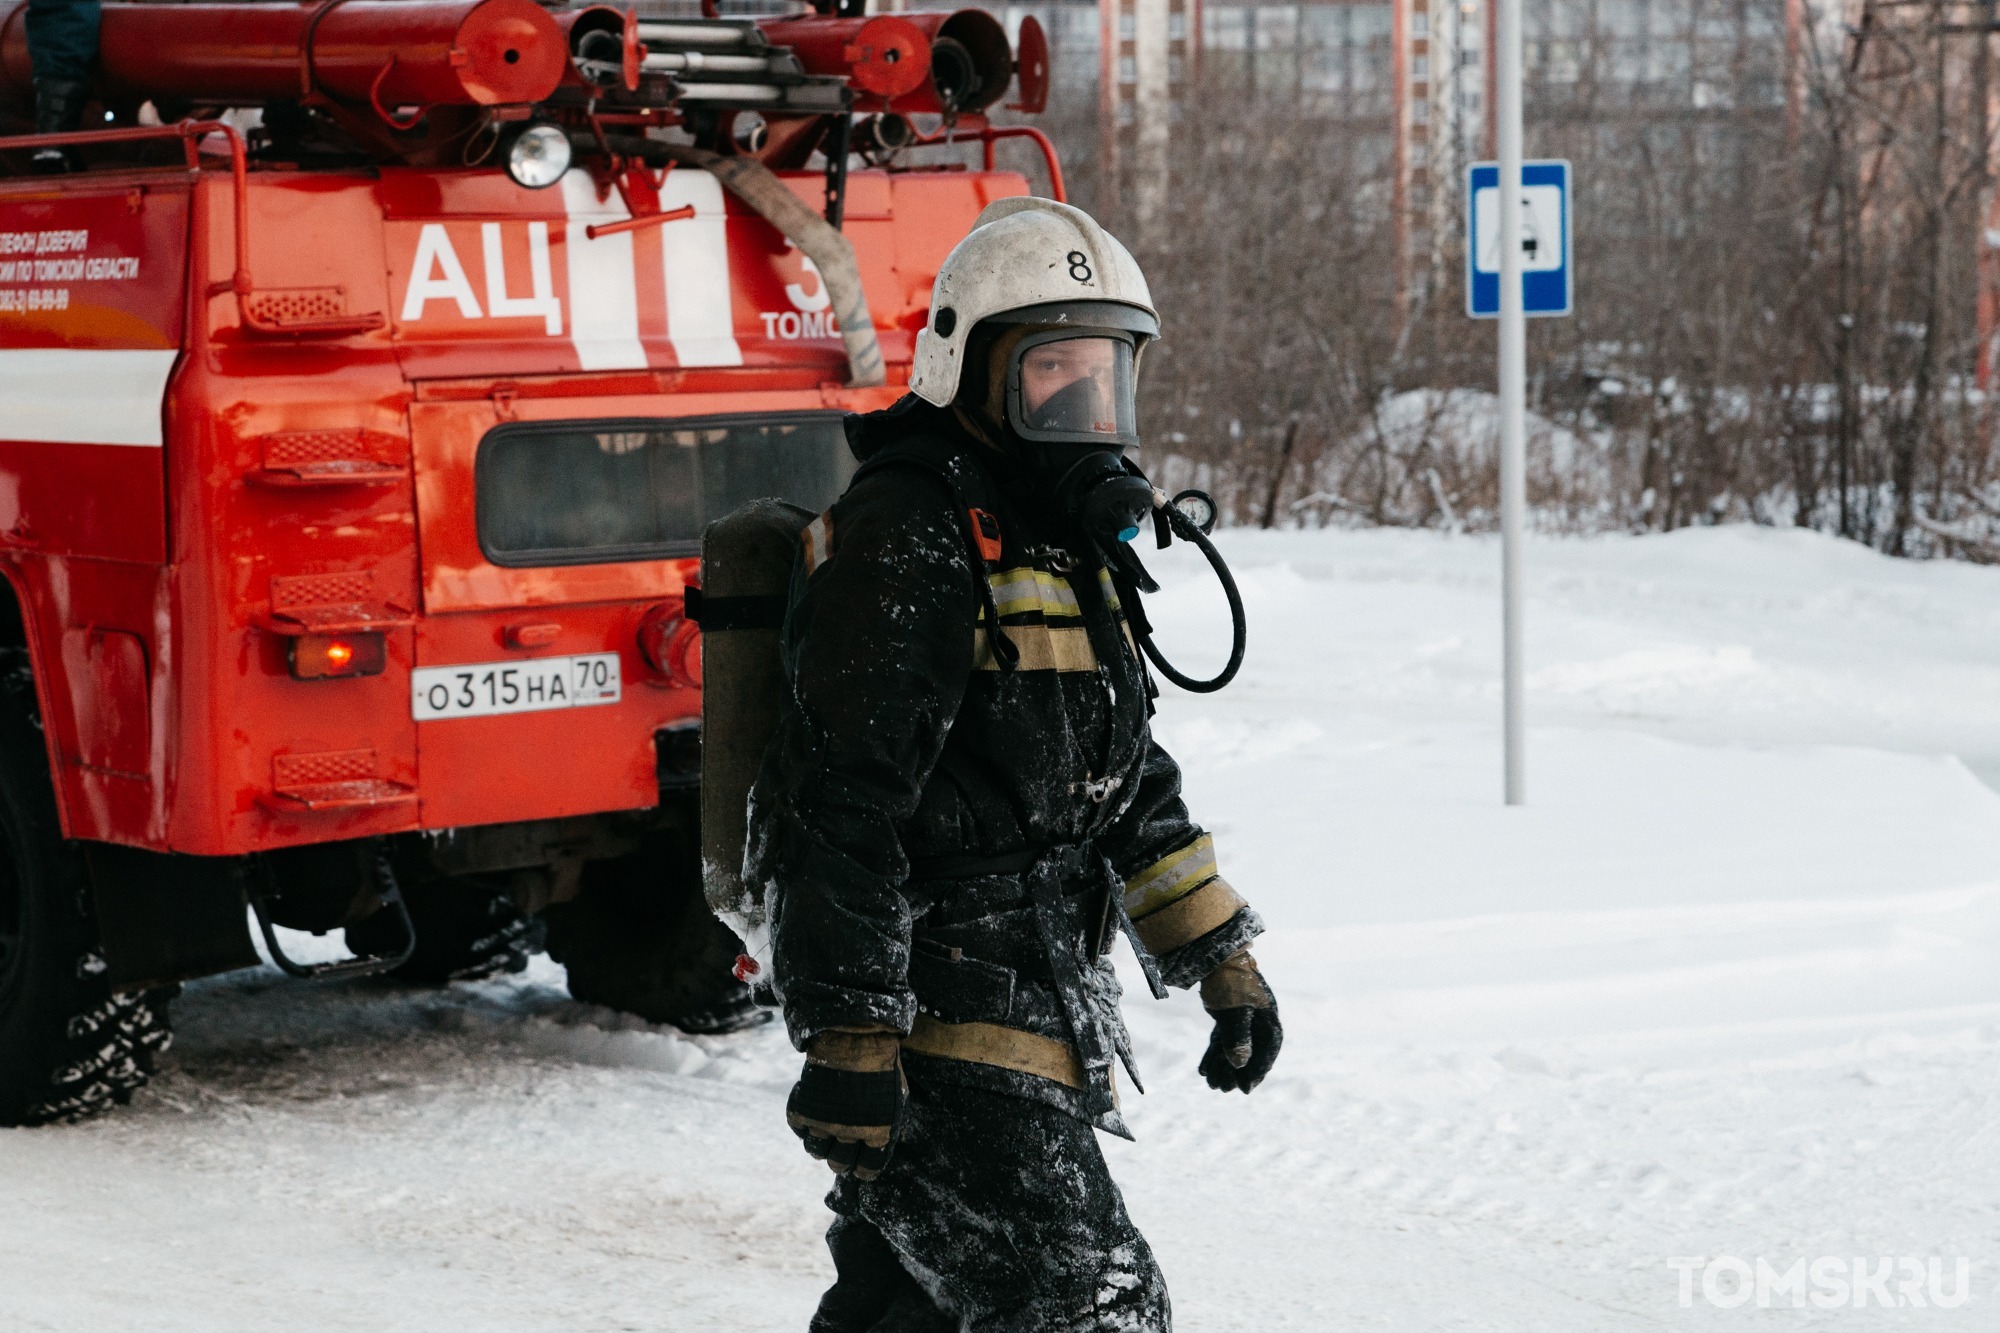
[1188,919]
[1170,878]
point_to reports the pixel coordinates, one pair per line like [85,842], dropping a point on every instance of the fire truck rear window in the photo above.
[588,492]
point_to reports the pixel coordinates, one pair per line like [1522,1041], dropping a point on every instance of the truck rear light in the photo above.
[327,656]
[670,644]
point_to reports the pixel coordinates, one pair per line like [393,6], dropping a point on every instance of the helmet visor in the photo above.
[1072,387]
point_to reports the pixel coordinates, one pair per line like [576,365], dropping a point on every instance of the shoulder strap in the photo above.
[974,498]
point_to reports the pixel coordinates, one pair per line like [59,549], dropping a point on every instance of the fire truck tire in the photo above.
[68,1047]
[641,938]
[466,929]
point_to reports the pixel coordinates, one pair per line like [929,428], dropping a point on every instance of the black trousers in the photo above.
[995,1215]
[62,38]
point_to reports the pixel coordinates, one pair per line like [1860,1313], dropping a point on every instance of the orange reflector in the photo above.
[326,656]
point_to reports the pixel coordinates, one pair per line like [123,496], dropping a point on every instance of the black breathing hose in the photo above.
[1185,526]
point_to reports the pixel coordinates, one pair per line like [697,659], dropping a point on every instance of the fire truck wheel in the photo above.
[466,929]
[68,1046]
[641,938]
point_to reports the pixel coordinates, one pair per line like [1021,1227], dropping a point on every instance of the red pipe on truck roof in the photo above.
[964,53]
[389,52]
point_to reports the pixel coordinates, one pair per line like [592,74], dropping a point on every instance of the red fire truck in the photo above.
[366,384]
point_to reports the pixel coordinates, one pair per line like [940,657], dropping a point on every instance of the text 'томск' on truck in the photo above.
[369,373]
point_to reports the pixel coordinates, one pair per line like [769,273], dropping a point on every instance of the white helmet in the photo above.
[1026,252]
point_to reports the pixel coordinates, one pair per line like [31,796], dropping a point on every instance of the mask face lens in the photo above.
[1076,389]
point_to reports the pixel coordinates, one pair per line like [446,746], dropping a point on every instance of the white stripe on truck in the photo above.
[65,395]
[603,288]
[701,318]
[603,284]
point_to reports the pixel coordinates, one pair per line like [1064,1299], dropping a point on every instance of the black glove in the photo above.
[848,1103]
[1247,1035]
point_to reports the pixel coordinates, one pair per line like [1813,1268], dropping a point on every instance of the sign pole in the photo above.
[1513,390]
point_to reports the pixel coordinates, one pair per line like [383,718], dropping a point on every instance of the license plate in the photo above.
[482,689]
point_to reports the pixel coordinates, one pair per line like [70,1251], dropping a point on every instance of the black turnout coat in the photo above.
[947,847]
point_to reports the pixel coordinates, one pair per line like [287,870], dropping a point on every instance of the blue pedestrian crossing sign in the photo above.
[1545,237]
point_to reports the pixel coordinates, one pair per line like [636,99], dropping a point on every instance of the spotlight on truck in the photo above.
[538,157]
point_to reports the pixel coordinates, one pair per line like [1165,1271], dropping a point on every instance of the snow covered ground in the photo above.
[1726,990]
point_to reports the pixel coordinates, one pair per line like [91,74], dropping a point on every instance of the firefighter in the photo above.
[963,807]
[62,45]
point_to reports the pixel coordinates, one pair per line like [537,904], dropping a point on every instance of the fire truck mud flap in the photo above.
[166,918]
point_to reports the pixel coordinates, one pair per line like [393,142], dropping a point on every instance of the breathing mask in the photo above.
[1064,387]
[1106,495]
